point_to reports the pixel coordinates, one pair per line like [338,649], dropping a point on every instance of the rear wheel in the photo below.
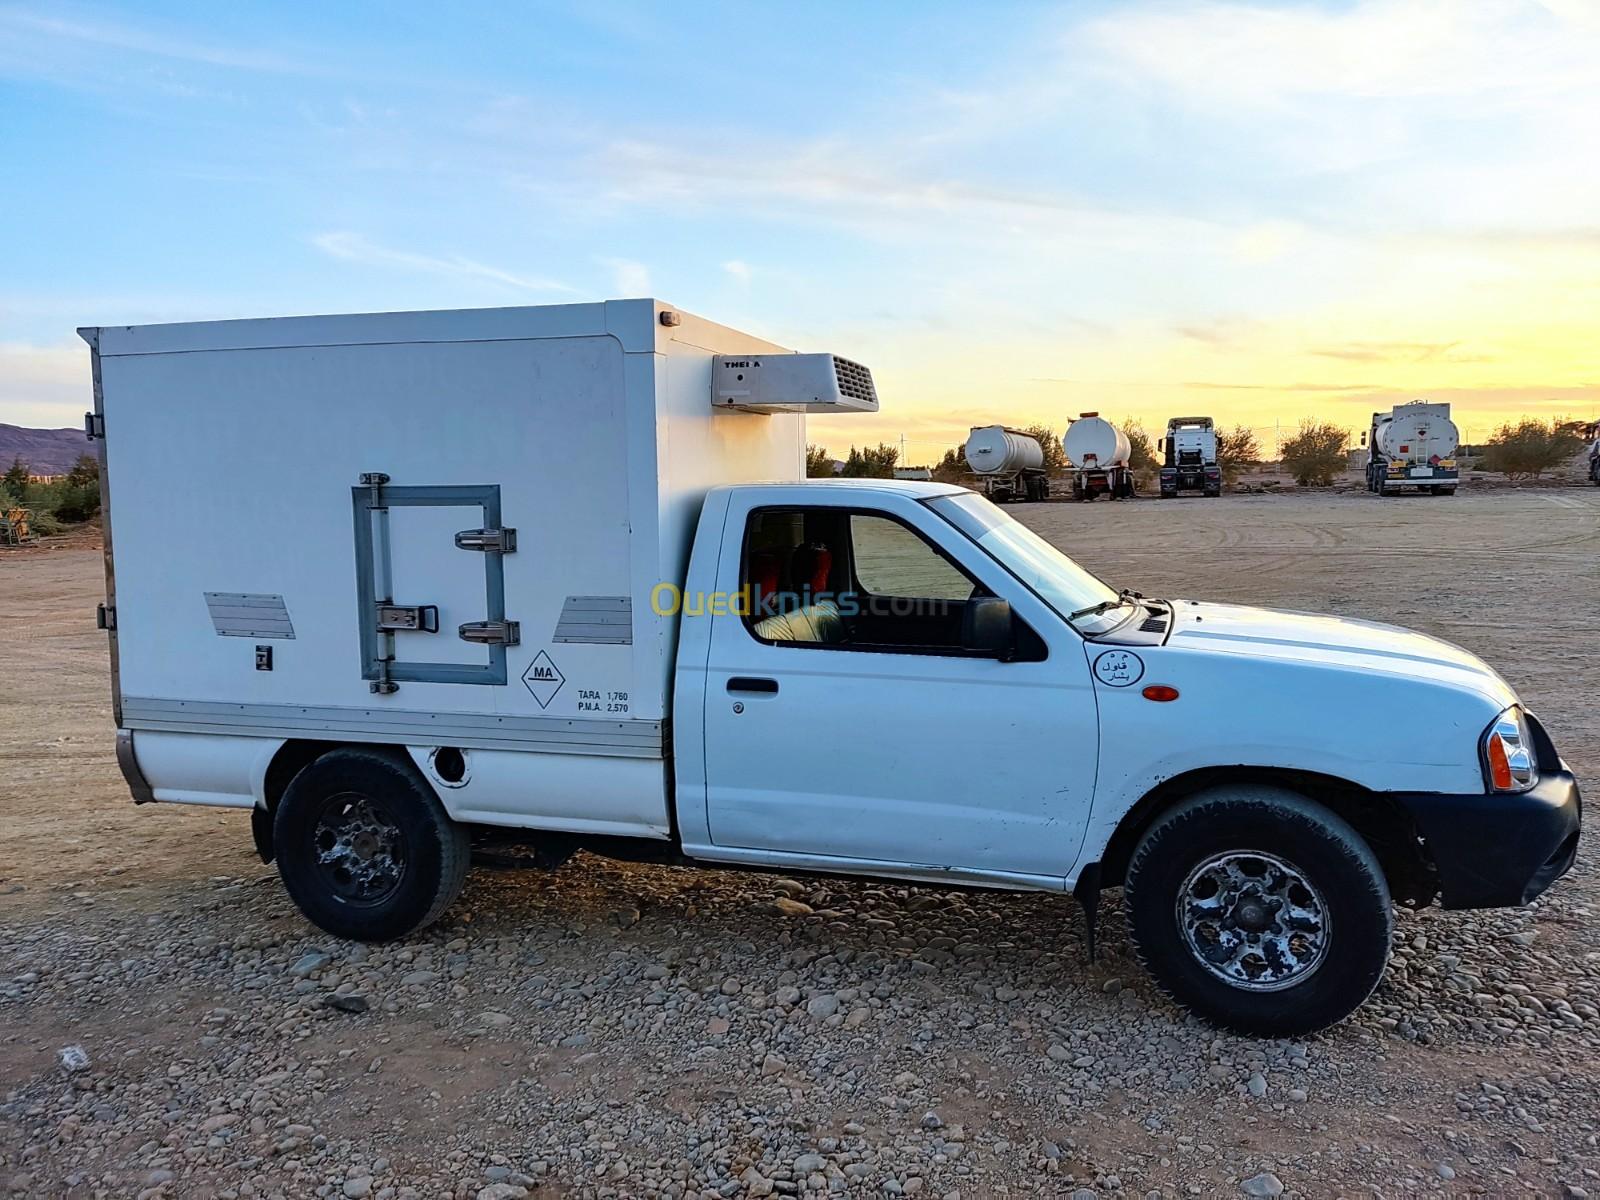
[364,847]
[1260,910]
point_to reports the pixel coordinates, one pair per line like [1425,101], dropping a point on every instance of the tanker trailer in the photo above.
[1009,464]
[1412,446]
[1099,454]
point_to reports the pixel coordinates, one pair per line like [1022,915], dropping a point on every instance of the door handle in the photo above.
[743,683]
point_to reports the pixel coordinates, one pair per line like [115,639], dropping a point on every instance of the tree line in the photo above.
[70,500]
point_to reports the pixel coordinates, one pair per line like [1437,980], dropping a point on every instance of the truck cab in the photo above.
[1034,728]
[1189,459]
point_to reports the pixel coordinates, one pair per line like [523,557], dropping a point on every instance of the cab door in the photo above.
[847,721]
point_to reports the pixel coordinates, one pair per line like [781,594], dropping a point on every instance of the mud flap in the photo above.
[1087,892]
[261,830]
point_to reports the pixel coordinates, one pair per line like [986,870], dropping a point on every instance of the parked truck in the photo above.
[1009,464]
[1099,454]
[1189,462]
[1413,446]
[553,577]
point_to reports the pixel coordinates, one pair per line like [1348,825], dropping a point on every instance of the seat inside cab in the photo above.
[829,576]
[790,580]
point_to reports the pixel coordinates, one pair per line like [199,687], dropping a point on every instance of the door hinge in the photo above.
[492,633]
[105,617]
[375,482]
[491,541]
[94,426]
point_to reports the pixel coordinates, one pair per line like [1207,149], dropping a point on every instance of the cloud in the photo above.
[856,183]
[40,29]
[1406,352]
[352,247]
[629,278]
[1377,49]
[1215,386]
[44,387]
[1220,331]
[739,271]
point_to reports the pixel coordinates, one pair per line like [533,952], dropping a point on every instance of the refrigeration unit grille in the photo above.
[855,381]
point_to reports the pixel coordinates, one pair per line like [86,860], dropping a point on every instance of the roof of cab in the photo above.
[905,487]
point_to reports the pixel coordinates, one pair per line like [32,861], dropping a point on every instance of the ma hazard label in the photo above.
[543,679]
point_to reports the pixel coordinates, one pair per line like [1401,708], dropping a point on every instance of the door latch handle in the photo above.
[744,683]
[418,618]
[490,541]
[491,633]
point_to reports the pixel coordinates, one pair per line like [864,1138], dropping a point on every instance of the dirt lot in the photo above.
[628,1031]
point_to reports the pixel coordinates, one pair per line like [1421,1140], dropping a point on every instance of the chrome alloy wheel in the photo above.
[1253,920]
[360,849]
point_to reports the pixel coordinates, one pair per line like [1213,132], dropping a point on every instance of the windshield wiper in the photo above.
[1125,596]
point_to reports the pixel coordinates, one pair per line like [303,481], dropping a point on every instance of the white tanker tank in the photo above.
[1413,445]
[996,450]
[1099,453]
[1009,463]
[1093,441]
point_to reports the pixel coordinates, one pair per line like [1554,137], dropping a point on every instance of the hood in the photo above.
[1335,642]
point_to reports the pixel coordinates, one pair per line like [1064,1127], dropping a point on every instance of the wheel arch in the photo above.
[1383,824]
[292,757]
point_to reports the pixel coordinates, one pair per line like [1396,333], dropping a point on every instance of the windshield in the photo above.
[1060,582]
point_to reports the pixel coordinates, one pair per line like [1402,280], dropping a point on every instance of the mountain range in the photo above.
[46,451]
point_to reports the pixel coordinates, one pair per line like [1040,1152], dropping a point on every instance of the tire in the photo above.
[400,859]
[1231,833]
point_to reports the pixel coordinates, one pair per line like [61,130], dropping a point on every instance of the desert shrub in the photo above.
[45,524]
[1529,448]
[1316,454]
[70,500]
[1141,453]
[1237,451]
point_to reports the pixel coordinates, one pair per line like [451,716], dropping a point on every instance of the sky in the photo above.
[1013,213]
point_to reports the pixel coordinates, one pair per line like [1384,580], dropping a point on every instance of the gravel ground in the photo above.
[169,1026]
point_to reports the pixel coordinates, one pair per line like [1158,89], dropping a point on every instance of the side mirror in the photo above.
[987,627]
[1363,439]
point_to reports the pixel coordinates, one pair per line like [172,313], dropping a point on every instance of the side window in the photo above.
[836,579]
[890,560]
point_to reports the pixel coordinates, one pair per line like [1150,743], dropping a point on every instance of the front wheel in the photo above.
[364,847]
[1260,910]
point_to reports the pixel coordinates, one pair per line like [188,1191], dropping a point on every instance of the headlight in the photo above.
[1508,753]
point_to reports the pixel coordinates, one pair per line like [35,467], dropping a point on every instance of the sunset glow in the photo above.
[1254,212]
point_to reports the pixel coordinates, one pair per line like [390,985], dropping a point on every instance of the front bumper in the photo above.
[1501,850]
[1190,478]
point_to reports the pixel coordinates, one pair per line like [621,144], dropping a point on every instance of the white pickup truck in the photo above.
[521,573]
